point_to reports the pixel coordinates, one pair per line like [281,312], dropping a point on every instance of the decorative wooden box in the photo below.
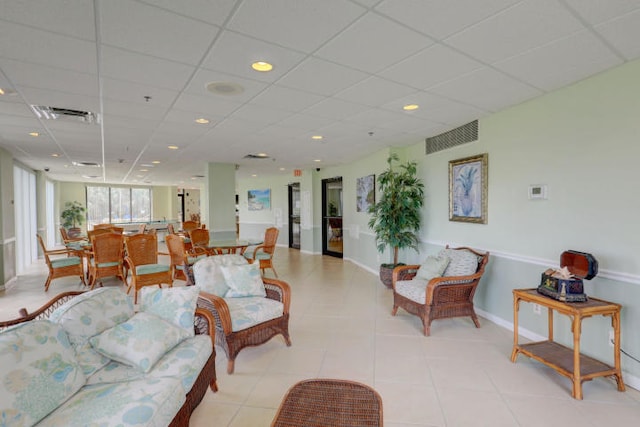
[582,265]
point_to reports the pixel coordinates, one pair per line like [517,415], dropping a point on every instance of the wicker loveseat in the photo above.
[241,319]
[440,297]
[54,375]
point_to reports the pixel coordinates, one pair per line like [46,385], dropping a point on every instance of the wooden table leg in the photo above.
[615,323]
[516,307]
[577,383]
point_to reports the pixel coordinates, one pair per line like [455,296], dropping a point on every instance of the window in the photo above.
[117,205]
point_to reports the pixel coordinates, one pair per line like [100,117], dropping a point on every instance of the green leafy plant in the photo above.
[395,218]
[73,215]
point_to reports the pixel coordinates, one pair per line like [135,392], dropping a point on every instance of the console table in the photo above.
[566,361]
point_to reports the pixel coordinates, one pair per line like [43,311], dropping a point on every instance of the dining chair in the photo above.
[142,260]
[188,226]
[70,265]
[179,256]
[142,228]
[105,225]
[264,252]
[106,258]
[199,241]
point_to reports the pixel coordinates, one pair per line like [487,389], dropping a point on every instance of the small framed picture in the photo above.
[537,192]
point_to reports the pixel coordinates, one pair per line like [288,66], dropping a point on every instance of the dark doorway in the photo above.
[294,215]
[332,217]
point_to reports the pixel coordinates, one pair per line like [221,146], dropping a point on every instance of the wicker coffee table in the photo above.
[328,402]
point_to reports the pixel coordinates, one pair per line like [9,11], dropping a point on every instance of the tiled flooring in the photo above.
[341,327]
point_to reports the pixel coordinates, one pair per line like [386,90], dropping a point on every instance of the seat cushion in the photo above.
[208,275]
[415,290]
[249,311]
[140,341]
[89,314]
[39,372]
[461,262]
[141,270]
[149,402]
[65,262]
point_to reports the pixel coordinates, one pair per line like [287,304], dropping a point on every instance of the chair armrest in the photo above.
[254,250]
[450,280]
[218,309]
[205,324]
[278,290]
[404,272]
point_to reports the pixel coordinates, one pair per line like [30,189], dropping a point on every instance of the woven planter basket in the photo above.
[386,274]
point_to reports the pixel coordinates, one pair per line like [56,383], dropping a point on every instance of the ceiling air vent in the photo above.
[88,164]
[454,137]
[55,113]
[256,156]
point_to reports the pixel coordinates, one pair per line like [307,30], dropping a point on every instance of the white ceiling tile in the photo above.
[441,18]
[211,11]
[365,45]
[135,111]
[40,47]
[527,25]
[305,121]
[8,108]
[234,53]
[333,108]
[486,89]
[436,109]
[53,15]
[123,65]
[25,74]
[36,96]
[155,31]
[374,117]
[321,77]
[623,33]
[135,93]
[258,114]
[187,118]
[598,11]
[374,91]
[311,21]
[431,66]
[561,62]
[286,99]
[198,85]
[206,105]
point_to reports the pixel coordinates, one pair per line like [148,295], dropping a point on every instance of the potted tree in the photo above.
[395,218]
[72,217]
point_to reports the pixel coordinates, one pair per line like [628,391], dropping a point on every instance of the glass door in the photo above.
[332,217]
[294,215]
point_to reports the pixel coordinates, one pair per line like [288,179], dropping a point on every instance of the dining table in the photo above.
[229,246]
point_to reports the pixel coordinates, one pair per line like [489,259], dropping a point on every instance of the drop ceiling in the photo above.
[341,69]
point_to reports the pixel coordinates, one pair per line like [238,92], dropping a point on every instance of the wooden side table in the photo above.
[566,361]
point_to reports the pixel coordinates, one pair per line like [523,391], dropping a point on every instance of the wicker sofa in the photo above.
[55,371]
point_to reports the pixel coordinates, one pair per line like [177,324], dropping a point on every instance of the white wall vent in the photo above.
[454,137]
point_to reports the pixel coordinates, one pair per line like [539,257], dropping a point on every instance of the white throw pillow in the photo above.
[140,341]
[432,267]
[208,275]
[176,305]
[243,281]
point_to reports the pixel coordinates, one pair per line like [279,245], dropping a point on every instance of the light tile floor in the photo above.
[341,327]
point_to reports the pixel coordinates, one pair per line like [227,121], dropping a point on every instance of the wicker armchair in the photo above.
[445,297]
[106,257]
[142,260]
[180,256]
[70,265]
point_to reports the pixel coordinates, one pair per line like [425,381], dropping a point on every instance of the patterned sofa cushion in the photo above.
[415,290]
[148,401]
[140,341]
[432,267]
[89,314]
[184,361]
[175,305]
[461,262]
[249,311]
[39,371]
[208,275]
[243,281]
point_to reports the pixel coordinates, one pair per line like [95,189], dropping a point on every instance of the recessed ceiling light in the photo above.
[410,107]
[140,176]
[282,169]
[254,175]
[7,91]
[146,165]
[317,160]
[144,170]
[317,137]
[202,121]
[90,176]
[262,66]
[155,162]
[55,155]
[34,134]
[1,91]
[172,147]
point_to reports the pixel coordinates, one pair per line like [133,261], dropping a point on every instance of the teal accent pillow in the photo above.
[176,305]
[140,341]
[243,281]
[432,267]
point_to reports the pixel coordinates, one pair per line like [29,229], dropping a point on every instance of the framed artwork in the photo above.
[365,192]
[259,200]
[468,189]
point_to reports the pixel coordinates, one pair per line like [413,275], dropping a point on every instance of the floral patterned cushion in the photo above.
[141,341]
[184,361]
[243,281]
[415,290]
[39,372]
[175,305]
[89,314]
[461,262]
[250,311]
[148,402]
[208,275]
